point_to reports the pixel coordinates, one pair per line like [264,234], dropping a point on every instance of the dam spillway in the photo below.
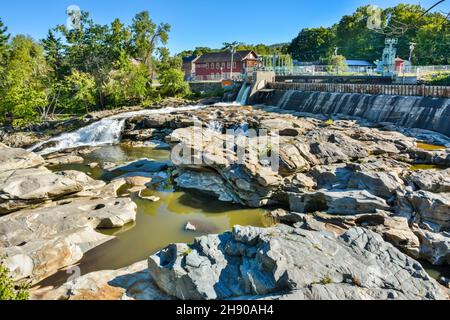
[405,111]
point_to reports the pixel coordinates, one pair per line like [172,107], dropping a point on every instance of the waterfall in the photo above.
[286,98]
[243,94]
[104,132]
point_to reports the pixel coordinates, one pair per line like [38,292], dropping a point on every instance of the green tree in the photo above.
[314,44]
[173,84]
[146,35]
[337,64]
[4,38]
[129,83]
[24,90]
[54,55]
[355,40]
[80,89]
[433,43]
[88,51]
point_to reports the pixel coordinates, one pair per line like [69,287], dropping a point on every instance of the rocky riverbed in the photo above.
[357,208]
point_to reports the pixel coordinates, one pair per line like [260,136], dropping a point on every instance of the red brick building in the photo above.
[217,65]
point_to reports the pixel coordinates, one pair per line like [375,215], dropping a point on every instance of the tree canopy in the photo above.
[90,67]
[354,40]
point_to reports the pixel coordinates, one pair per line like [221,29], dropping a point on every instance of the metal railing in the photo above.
[421,71]
[323,70]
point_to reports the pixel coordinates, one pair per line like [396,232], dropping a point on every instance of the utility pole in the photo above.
[232,47]
[412,46]
[233,51]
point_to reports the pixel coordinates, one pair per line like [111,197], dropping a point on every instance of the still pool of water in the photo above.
[430,147]
[118,154]
[417,167]
[158,223]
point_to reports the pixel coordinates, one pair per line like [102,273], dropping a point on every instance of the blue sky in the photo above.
[197,22]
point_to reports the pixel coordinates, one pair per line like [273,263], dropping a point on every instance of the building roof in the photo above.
[224,56]
[189,59]
[359,63]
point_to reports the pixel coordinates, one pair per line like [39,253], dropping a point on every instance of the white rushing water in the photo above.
[243,94]
[103,132]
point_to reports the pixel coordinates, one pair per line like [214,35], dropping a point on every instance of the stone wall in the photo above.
[206,86]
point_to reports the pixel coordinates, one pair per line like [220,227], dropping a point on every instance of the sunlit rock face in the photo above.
[284,262]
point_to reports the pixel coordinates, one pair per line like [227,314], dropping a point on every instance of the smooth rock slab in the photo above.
[131,283]
[23,187]
[47,239]
[252,262]
[64,159]
[12,159]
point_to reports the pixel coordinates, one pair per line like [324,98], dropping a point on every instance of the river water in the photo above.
[158,223]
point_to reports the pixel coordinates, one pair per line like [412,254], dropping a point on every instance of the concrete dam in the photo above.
[407,111]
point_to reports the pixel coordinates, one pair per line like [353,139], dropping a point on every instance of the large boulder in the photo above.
[282,261]
[426,207]
[24,187]
[207,182]
[434,247]
[380,184]
[12,159]
[60,159]
[343,202]
[431,180]
[39,242]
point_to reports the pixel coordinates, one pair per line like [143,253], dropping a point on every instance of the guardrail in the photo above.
[401,90]
[311,70]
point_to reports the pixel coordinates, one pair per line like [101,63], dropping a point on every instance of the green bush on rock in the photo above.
[9,289]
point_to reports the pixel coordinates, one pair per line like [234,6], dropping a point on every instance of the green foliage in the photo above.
[337,64]
[88,68]
[326,281]
[129,83]
[173,84]
[352,37]
[80,90]
[313,44]
[433,43]
[9,290]
[439,79]
[23,88]
[355,40]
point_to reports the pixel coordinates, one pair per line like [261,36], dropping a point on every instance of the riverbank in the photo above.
[349,195]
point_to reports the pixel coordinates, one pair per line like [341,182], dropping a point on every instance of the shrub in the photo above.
[9,289]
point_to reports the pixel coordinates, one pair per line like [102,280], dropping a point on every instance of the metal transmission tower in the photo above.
[392,29]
